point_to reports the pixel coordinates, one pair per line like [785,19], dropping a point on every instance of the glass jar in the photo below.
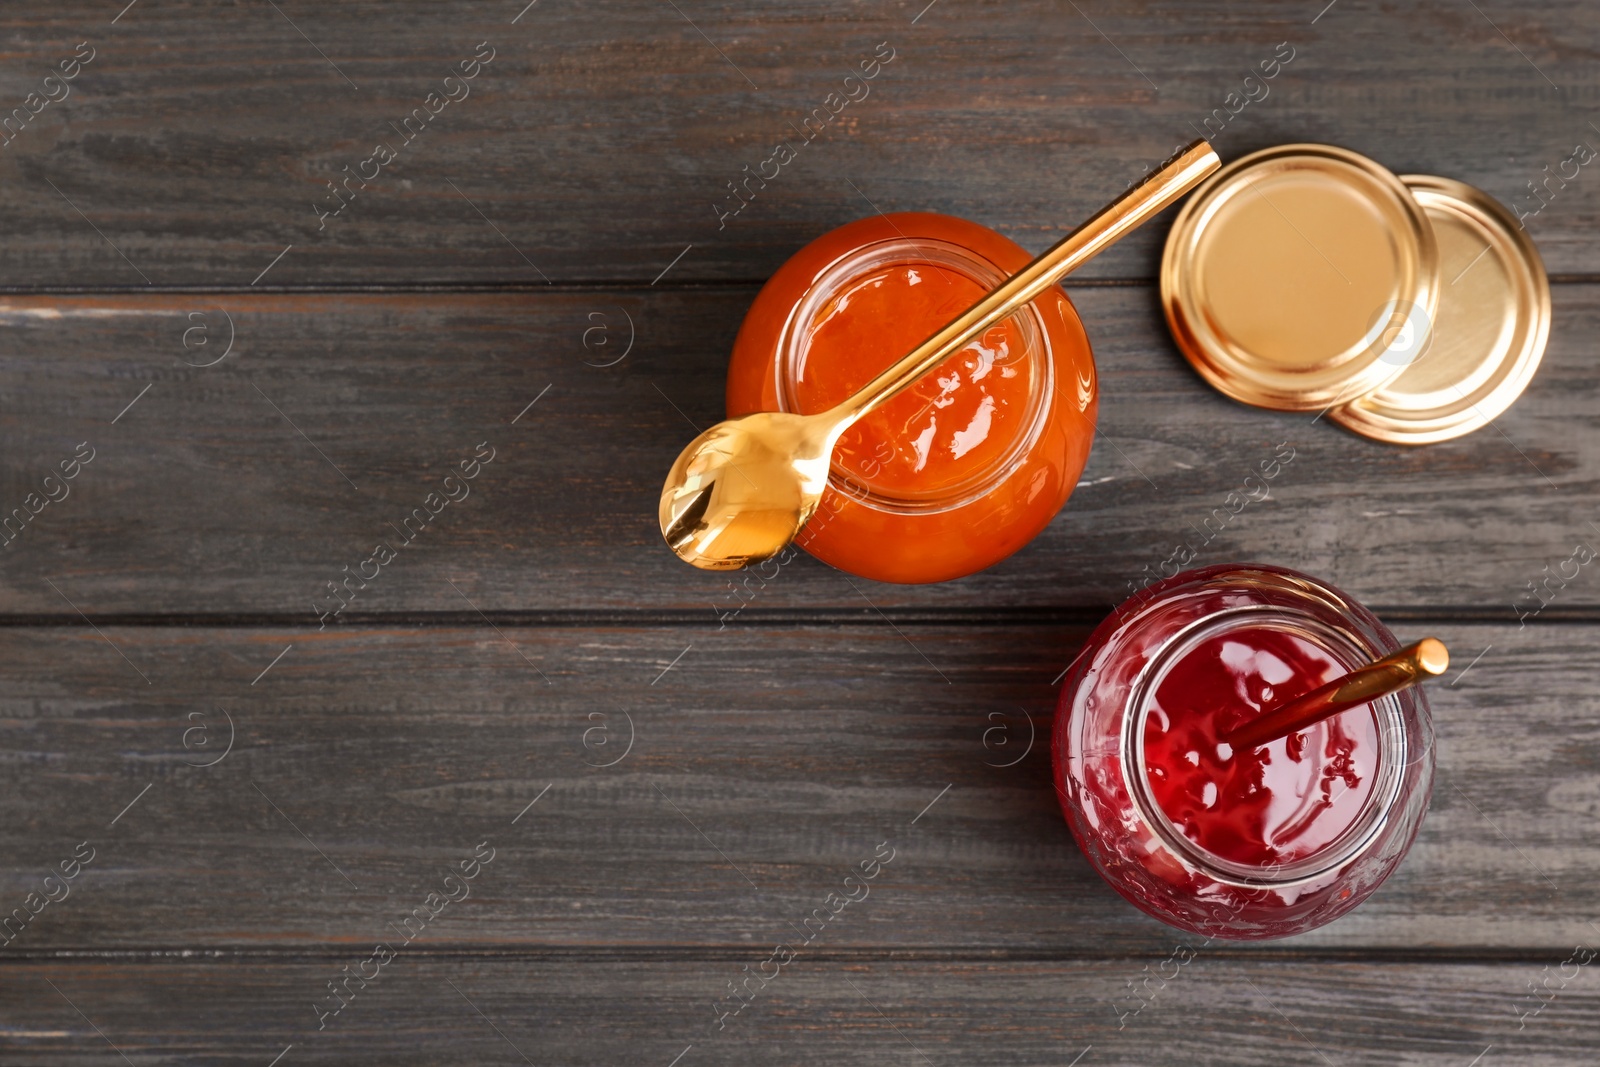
[1241,846]
[963,468]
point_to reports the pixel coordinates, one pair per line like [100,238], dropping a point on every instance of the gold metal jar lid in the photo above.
[1487,336]
[1283,274]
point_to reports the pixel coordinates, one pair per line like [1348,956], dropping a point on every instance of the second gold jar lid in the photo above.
[1293,277]
[1487,337]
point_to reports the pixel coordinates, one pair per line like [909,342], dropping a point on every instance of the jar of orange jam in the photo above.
[963,468]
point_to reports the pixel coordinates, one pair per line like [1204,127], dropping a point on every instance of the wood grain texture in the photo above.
[422,1010]
[249,485]
[764,765]
[597,145]
[163,213]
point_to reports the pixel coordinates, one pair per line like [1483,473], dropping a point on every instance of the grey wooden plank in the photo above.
[193,147]
[249,485]
[765,764]
[430,1010]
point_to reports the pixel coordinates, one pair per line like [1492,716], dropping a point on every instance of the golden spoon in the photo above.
[1427,658]
[743,489]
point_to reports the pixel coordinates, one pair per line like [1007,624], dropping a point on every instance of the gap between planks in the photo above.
[696,618]
[580,285]
[1400,957]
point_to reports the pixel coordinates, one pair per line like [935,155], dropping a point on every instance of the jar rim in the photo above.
[1352,649]
[978,268]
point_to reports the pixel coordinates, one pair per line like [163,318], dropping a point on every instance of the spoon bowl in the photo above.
[743,489]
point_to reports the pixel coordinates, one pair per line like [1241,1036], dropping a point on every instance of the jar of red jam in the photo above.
[961,469]
[1243,845]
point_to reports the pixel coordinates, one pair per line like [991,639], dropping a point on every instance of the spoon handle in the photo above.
[1133,208]
[1427,658]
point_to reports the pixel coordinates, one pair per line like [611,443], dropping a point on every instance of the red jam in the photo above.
[967,465]
[1275,804]
[950,425]
[1238,845]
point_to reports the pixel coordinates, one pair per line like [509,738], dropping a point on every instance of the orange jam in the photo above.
[954,422]
[966,466]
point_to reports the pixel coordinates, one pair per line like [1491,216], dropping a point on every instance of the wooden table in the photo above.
[547,272]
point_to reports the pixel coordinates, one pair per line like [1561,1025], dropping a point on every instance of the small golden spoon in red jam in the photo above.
[1427,658]
[743,489]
